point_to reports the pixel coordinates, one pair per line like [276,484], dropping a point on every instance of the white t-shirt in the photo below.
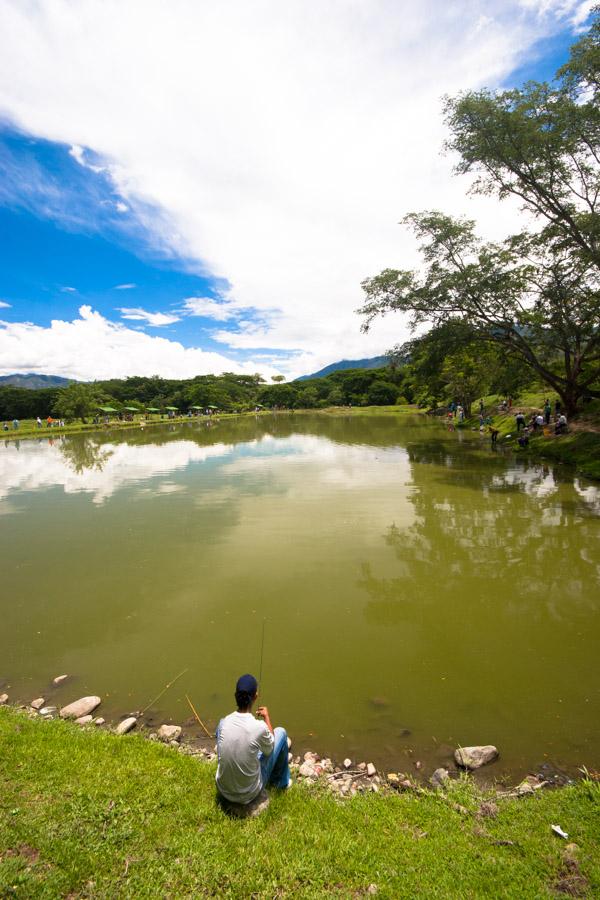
[240,739]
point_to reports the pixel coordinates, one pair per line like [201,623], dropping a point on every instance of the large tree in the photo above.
[537,294]
[77,401]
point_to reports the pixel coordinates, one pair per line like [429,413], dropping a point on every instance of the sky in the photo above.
[191,187]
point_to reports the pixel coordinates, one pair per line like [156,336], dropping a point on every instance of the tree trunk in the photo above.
[569,396]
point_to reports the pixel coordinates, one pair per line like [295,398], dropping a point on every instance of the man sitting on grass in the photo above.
[251,753]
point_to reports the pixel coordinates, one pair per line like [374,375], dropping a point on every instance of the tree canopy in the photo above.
[535,294]
[228,392]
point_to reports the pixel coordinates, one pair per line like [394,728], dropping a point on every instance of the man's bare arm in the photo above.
[263,713]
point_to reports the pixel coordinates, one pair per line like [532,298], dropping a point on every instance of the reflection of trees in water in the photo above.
[372,431]
[492,533]
[84,453]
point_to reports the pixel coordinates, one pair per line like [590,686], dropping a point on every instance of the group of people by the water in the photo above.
[543,421]
[538,420]
[50,423]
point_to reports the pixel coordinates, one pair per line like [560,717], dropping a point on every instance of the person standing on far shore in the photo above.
[547,411]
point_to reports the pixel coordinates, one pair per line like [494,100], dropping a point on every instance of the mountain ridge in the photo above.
[373,362]
[34,382]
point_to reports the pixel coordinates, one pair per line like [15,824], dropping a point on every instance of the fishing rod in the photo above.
[193,708]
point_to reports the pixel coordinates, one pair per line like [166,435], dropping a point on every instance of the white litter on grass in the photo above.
[558,830]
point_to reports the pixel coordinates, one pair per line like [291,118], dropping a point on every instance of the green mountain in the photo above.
[375,362]
[34,382]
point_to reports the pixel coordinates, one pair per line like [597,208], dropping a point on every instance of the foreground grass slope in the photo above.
[94,815]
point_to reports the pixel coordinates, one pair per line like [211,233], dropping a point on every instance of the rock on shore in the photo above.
[81,707]
[475,757]
[169,733]
[126,725]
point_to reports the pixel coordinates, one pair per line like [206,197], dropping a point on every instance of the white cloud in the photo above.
[125,287]
[66,289]
[208,308]
[91,347]
[121,207]
[78,154]
[4,304]
[156,319]
[283,146]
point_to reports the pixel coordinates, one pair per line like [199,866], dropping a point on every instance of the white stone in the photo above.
[99,721]
[475,757]
[59,679]
[309,756]
[347,763]
[3,699]
[126,725]
[48,710]
[83,720]
[81,707]
[308,770]
[289,740]
[440,777]
[371,770]
[37,704]
[362,766]
[168,733]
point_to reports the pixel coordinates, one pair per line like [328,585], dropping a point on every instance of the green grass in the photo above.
[28,427]
[88,814]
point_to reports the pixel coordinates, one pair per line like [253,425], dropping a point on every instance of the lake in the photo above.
[419,589]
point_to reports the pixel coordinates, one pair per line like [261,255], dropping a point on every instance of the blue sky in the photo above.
[231,215]
[69,239]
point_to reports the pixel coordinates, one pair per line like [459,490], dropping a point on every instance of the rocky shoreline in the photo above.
[344,780]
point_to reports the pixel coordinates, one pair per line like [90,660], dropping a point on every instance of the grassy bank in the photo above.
[28,428]
[88,814]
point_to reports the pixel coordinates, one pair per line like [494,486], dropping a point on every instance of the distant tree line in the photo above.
[228,392]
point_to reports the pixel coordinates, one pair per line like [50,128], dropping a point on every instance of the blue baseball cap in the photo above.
[248,684]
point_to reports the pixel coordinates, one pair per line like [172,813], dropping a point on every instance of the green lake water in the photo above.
[420,590]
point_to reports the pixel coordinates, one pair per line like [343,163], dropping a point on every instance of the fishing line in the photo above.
[262,648]
[164,691]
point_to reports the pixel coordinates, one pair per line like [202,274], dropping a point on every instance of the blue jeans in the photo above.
[274,768]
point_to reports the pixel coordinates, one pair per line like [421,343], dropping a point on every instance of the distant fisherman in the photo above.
[252,754]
